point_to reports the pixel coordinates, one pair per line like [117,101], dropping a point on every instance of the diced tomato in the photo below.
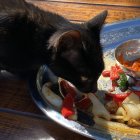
[70,99]
[119,70]
[68,106]
[66,112]
[114,73]
[117,66]
[118,98]
[106,73]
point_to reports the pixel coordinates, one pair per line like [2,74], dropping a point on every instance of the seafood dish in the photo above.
[115,107]
[120,110]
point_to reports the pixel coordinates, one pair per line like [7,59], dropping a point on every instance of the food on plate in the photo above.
[122,82]
[127,55]
[117,97]
[132,65]
[132,111]
[68,92]
[81,100]
[116,126]
[117,77]
[120,110]
[129,111]
[111,106]
[98,108]
[136,65]
[123,118]
[123,104]
[65,87]
[132,98]
[68,109]
[133,123]
[51,97]
[129,108]
[73,99]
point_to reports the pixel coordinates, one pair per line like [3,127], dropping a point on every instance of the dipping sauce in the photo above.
[132,65]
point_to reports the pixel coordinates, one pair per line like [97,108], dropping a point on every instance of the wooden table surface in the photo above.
[20,118]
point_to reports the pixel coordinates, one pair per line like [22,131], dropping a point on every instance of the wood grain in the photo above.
[131,3]
[83,12]
[14,94]
[17,127]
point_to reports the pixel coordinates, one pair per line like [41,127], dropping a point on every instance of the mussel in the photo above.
[81,100]
[81,103]
[51,97]
[70,101]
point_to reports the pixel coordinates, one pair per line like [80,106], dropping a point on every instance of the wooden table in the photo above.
[20,118]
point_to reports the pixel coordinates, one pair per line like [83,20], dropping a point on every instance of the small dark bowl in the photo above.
[131,52]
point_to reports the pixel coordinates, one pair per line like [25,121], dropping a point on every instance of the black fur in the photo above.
[30,37]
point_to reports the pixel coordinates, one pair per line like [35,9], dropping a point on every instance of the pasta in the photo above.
[116,126]
[124,119]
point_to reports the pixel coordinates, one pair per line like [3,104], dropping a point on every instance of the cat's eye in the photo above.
[83,78]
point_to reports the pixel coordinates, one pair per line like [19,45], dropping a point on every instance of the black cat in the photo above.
[30,37]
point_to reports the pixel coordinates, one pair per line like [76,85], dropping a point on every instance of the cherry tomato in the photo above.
[106,73]
[114,73]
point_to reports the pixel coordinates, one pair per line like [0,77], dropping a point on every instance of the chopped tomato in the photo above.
[106,73]
[118,79]
[119,70]
[70,99]
[118,98]
[114,73]
[68,106]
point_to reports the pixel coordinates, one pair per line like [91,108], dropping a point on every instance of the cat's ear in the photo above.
[69,38]
[65,41]
[97,21]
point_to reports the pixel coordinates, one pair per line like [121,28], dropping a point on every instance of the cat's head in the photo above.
[78,53]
